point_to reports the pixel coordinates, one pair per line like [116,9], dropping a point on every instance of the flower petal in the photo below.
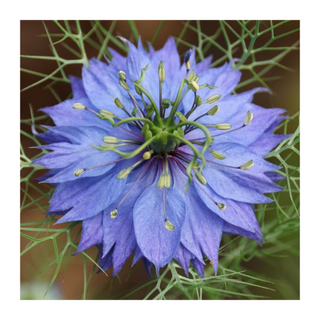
[157,243]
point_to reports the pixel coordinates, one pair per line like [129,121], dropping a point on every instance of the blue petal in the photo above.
[77,88]
[237,154]
[102,87]
[63,114]
[231,229]
[204,225]
[183,256]
[158,244]
[229,106]
[204,65]
[92,232]
[93,193]
[199,267]
[239,185]
[237,213]
[267,142]
[105,262]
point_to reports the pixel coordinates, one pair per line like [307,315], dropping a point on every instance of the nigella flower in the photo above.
[159,159]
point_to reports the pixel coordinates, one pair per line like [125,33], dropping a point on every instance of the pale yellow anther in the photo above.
[168,225]
[123,173]
[223,126]
[247,165]
[110,139]
[147,155]
[114,213]
[79,106]
[217,154]
[213,111]
[122,75]
[248,118]
[213,98]
[221,206]
[78,172]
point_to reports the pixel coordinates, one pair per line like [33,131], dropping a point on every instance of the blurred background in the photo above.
[279,265]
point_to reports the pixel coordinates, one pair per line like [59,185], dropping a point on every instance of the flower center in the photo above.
[164,133]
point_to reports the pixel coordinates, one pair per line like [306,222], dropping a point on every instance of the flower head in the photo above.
[159,159]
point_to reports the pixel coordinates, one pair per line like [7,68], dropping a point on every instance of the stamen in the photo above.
[221,206]
[112,140]
[186,60]
[125,172]
[162,76]
[211,112]
[114,213]
[246,166]
[144,170]
[213,99]
[78,172]
[220,126]
[167,224]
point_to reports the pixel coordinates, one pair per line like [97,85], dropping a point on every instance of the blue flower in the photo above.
[159,159]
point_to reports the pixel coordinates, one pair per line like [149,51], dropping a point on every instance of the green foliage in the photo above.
[279,220]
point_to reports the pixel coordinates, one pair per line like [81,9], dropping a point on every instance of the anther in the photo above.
[200,177]
[216,154]
[186,59]
[221,206]
[147,155]
[114,213]
[247,165]
[118,103]
[213,99]
[123,84]
[213,111]
[191,76]
[248,118]
[198,101]
[107,114]
[168,225]
[194,86]
[110,139]
[220,126]
[78,172]
[161,72]
[122,75]
[124,173]
[79,106]
[161,182]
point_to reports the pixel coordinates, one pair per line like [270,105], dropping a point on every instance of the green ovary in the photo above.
[164,142]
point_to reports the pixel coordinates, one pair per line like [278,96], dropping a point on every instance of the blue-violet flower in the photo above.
[159,159]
